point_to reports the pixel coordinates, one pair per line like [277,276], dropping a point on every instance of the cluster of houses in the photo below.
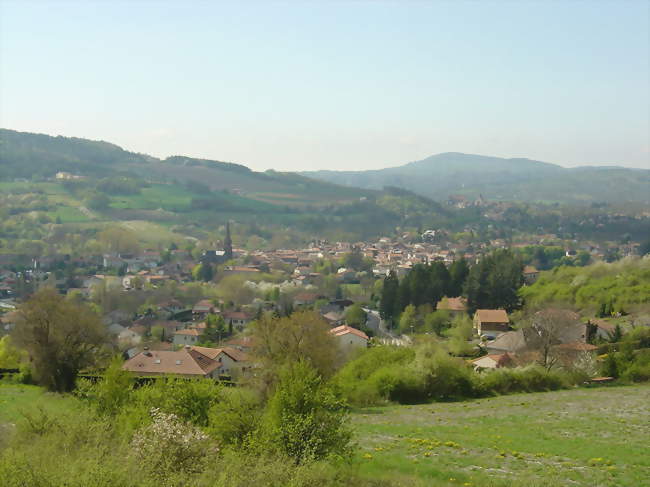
[555,332]
[169,338]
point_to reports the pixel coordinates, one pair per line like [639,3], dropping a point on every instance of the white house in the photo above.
[189,336]
[349,338]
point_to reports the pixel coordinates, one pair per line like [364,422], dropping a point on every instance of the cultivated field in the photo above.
[584,437]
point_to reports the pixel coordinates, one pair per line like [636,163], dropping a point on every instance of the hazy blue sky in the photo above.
[337,85]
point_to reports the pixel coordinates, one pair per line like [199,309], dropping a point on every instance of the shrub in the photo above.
[528,379]
[304,418]
[235,417]
[446,377]
[170,445]
[370,377]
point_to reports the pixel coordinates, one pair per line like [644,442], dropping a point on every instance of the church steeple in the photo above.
[227,243]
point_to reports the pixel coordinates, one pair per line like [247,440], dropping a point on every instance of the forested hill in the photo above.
[470,175]
[36,157]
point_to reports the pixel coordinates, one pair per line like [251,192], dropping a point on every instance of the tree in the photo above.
[215,329]
[355,316]
[118,240]
[302,336]
[545,333]
[305,419]
[408,320]
[494,282]
[158,333]
[98,201]
[438,321]
[203,272]
[113,391]
[10,356]
[458,272]
[610,365]
[61,338]
[459,334]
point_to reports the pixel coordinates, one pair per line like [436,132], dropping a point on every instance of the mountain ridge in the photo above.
[440,175]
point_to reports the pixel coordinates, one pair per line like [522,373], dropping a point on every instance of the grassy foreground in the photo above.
[582,437]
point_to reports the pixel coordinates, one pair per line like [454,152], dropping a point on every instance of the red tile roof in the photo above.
[345,329]
[492,316]
[182,362]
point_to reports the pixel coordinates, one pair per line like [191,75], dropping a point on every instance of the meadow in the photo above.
[581,437]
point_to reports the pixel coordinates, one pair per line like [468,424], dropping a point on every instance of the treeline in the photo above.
[37,156]
[545,257]
[492,283]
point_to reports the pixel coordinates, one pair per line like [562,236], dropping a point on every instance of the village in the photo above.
[184,313]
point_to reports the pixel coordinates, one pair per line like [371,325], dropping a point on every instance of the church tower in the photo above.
[227,243]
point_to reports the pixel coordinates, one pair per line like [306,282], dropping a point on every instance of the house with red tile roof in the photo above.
[184,363]
[349,338]
[491,322]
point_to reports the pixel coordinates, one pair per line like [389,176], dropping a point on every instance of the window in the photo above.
[157,361]
[179,362]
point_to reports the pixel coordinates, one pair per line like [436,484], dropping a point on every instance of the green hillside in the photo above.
[623,286]
[37,157]
[470,175]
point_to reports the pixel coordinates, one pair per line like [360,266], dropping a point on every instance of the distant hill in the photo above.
[37,156]
[470,175]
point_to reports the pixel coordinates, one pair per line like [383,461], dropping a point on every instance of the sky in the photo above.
[355,85]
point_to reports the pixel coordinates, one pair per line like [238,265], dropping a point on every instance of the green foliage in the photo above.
[532,378]
[203,272]
[493,282]
[234,419]
[389,306]
[303,336]
[113,391]
[428,373]
[158,333]
[97,201]
[460,332]
[304,419]
[622,285]
[458,272]
[408,321]
[363,380]
[10,355]
[61,337]
[437,322]
[355,316]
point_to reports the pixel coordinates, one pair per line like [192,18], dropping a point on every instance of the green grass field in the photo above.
[583,437]
[18,399]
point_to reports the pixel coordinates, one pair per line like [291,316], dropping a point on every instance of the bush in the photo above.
[170,445]
[304,419]
[235,417]
[369,378]
[447,378]
[528,379]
